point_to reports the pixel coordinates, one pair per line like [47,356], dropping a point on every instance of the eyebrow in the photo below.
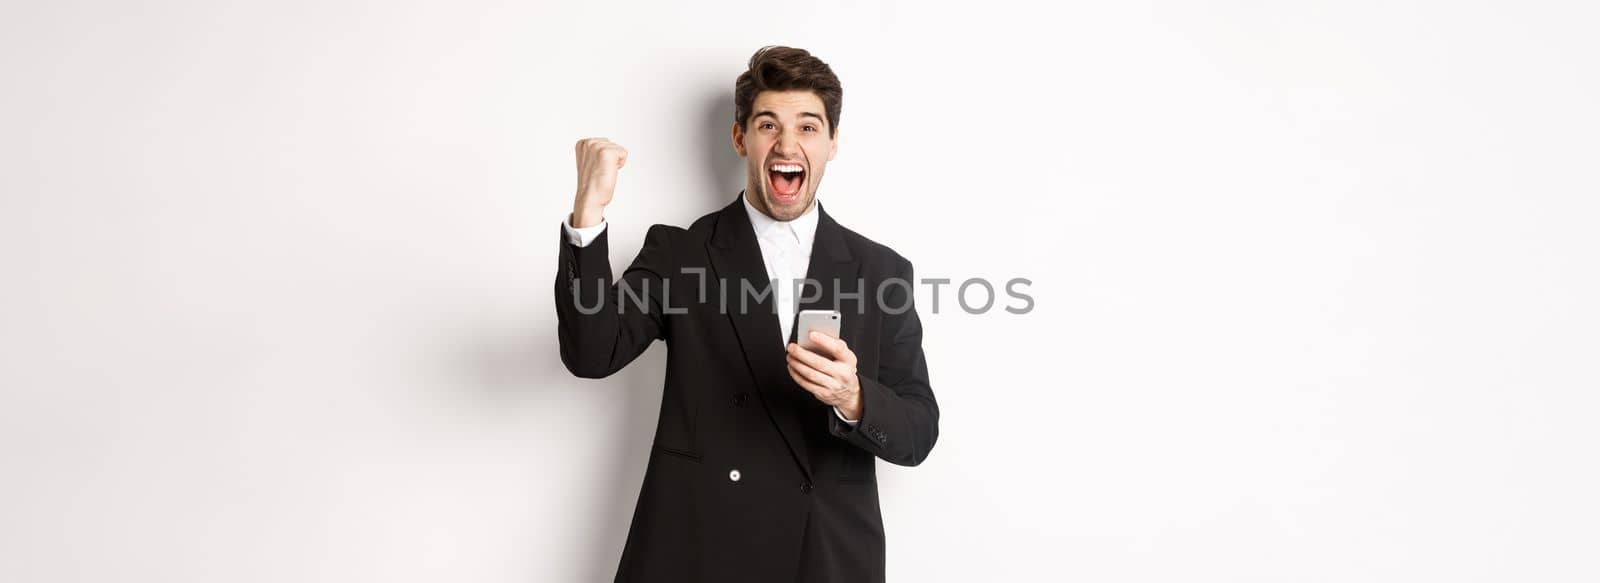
[802,114]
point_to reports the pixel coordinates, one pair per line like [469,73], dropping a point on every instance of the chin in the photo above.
[787,211]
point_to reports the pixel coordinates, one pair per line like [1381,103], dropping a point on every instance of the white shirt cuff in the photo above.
[846,421]
[582,237]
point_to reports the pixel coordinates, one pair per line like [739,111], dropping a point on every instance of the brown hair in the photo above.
[784,69]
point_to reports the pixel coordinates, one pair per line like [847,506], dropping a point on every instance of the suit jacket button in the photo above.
[733,475]
[740,399]
[805,487]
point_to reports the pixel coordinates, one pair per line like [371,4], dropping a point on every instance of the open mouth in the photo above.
[784,181]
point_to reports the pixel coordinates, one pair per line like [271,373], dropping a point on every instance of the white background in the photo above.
[1315,284]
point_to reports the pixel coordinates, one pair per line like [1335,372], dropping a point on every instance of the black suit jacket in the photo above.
[804,506]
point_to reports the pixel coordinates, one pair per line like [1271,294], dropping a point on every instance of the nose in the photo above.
[787,144]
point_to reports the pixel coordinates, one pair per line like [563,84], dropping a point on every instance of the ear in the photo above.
[738,140]
[833,144]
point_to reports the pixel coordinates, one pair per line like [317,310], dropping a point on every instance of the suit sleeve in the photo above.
[899,416]
[604,324]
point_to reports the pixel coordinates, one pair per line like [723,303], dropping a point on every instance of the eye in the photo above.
[810,128]
[767,125]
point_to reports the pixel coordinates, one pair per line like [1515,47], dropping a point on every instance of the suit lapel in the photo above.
[736,259]
[834,269]
[835,272]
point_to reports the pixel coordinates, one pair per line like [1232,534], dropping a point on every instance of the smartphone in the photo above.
[824,321]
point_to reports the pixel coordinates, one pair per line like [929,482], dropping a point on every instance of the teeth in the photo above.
[787,168]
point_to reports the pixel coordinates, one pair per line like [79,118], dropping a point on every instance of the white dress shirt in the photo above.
[785,250]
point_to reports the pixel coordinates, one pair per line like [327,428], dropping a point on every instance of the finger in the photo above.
[813,359]
[835,347]
[839,367]
[798,373]
[817,393]
[805,383]
[813,375]
[833,387]
[819,376]
[820,392]
[612,149]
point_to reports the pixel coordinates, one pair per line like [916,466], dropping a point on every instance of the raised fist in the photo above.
[599,160]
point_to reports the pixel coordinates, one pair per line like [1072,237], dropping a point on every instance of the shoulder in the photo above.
[872,252]
[663,231]
[695,234]
[702,227]
[664,237]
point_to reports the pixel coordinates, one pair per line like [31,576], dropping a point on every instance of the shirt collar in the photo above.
[804,227]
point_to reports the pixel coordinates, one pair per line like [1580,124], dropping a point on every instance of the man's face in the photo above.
[786,146]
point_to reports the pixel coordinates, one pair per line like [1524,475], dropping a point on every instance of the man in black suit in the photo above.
[763,467]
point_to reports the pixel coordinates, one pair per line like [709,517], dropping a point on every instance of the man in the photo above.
[762,468]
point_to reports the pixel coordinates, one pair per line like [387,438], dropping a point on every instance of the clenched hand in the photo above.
[599,160]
